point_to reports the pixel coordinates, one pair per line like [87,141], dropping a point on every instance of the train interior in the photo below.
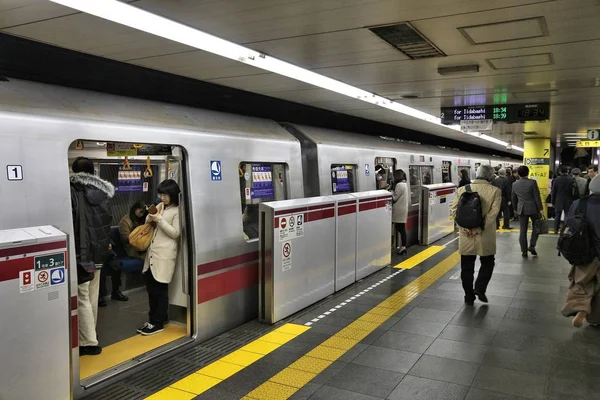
[136,171]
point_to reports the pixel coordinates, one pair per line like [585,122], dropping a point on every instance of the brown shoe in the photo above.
[579,319]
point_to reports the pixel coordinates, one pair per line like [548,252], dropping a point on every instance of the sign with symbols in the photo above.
[216,174]
[286,252]
[42,279]
[262,182]
[593,134]
[49,261]
[367,171]
[57,276]
[14,172]
[26,281]
[537,161]
[482,125]
[588,143]
[291,227]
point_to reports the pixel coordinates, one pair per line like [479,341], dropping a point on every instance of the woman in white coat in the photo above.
[400,208]
[161,256]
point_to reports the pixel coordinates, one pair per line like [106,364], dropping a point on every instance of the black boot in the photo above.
[101,302]
[117,295]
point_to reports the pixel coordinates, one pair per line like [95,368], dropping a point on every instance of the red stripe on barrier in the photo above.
[10,269]
[412,221]
[372,205]
[74,331]
[227,263]
[292,211]
[346,203]
[216,286]
[275,223]
[346,210]
[444,192]
[320,206]
[34,248]
[317,215]
[73,303]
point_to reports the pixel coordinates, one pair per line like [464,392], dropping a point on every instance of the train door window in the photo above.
[446,171]
[259,182]
[135,171]
[426,175]
[460,172]
[474,173]
[384,172]
[343,178]
[415,182]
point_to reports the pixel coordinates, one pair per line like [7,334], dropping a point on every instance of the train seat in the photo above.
[128,264]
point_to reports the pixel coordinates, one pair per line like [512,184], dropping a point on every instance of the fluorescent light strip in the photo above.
[145,21]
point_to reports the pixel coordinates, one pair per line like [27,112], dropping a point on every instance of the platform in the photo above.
[405,333]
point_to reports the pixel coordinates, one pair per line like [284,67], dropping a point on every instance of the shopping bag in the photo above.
[541,225]
[141,237]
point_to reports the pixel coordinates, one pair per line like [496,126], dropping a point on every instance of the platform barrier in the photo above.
[435,212]
[34,306]
[310,248]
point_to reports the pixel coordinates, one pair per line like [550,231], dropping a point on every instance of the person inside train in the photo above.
[250,221]
[161,257]
[400,208]
[464,178]
[380,176]
[130,221]
[90,196]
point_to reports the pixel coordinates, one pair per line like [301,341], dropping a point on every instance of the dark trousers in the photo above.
[524,224]
[115,277]
[467,272]
[158,298]
[506,212]
[558,210]
[401,229]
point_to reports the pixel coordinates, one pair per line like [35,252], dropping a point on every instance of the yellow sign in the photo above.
[588,143]
[537,157]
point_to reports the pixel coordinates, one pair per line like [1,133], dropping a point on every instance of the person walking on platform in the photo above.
[478,241]
[400,208]
[582,184]
[526,194]
[564,191]
[502,183]
[583,293]
[91,231]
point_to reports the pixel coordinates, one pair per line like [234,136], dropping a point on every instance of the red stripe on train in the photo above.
[216,286]
[34,248]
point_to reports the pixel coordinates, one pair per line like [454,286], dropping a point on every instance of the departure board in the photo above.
[508,113]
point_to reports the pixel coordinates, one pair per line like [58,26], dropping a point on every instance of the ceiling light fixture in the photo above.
[133,17]
[459,69]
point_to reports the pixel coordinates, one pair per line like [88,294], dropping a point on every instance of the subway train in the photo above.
[225,165]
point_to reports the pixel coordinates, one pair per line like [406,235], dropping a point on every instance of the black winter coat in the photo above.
[564,191]
[95,194]
[505,187]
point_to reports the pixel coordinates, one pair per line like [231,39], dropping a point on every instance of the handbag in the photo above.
[85,269]
[141,237]
[542,226]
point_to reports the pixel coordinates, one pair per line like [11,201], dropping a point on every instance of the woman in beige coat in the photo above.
[479,242]
[162,256]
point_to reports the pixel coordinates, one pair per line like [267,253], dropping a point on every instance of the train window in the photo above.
[384,172]
[415,182]
[426,175]
[342,178]
[446,171]
[259,182]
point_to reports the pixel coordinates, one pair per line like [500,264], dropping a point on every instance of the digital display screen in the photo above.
[508,113]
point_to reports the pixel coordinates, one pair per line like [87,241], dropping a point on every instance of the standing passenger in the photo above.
[581,182]
[89,196]
[400,208]
[592,171]
[583,294]
[464,178]
[563,192]
[162,256]
[479,242]
[504,185]
[526,194]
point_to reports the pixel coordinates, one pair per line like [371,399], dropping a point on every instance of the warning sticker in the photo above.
[286,261]
[42,279]
[291,227]
[26,281]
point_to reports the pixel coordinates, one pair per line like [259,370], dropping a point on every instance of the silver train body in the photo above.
[218,267]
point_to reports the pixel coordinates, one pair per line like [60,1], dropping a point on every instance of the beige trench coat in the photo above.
[162,253]
[484,242]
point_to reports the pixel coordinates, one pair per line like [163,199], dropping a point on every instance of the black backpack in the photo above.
[575,242]
[469,214]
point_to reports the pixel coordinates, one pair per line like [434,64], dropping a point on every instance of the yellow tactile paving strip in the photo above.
[291,379]
[213,374]
[420,257]
[516,230]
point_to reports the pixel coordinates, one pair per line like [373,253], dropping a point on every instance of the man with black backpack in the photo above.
[474,210]
[579,244]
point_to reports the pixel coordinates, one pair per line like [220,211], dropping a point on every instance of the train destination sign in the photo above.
[508,113]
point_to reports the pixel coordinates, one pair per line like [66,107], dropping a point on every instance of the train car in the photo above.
[225,165]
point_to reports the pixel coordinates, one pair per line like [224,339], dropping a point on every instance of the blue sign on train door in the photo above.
[215,171]
[367,172]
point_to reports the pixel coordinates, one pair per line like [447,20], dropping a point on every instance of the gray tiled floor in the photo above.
[516,347]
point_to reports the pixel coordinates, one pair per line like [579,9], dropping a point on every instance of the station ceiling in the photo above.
[527,51]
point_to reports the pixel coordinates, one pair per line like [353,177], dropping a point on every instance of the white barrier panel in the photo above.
[34,307]
[345,240]
[373,220]
[435,209]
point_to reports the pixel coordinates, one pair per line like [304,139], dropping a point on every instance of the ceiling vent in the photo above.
[408,40]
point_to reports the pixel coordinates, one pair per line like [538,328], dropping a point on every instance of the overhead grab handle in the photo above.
[148,171]
[126,164]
